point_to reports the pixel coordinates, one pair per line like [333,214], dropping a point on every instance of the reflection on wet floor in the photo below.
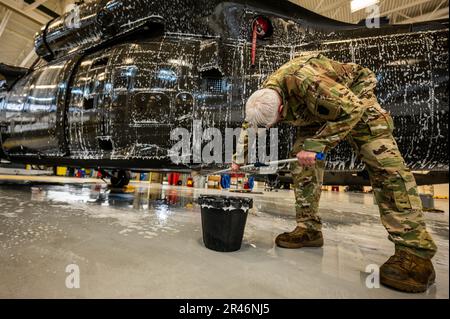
[138,198]
[145,241]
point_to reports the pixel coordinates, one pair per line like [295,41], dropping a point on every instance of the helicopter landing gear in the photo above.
[118,179]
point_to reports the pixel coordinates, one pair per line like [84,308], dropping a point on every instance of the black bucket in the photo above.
[223,221]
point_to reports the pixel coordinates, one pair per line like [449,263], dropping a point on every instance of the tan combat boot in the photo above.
[407,272]
[299,238]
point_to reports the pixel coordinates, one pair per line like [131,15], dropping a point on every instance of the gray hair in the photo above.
[262,108]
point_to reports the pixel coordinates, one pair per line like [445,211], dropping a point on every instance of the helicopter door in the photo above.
[88,115]
[151,121]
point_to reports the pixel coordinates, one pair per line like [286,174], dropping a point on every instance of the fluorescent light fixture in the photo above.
[357,5]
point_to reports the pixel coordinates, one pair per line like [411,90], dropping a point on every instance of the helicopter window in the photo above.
[213,82]
[102,62]
[184,103]
[120,82]
[184,99]
[97,86]
[214,85]
[88,103]
[124,78]
[165,78]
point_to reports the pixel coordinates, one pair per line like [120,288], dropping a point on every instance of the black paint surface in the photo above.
[115,88]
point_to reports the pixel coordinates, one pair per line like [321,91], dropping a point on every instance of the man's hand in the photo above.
[307,158]
[235,167]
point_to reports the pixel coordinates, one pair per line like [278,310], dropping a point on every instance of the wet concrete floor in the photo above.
[146,242]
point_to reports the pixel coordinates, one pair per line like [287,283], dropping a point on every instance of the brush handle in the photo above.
[319,157]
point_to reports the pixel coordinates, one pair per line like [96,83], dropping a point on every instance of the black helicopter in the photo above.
[114,79]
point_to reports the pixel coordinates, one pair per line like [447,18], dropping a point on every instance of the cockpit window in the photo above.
[18,95]
[44,88]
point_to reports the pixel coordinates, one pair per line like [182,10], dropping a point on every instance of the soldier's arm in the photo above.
[365,83]
[339,106]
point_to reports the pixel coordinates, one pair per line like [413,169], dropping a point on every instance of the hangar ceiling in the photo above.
[21,19]
[398,11]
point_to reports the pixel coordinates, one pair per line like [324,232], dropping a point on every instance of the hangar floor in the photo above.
[147,243]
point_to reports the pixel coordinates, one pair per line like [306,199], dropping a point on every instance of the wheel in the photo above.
[273,182]
[120,179]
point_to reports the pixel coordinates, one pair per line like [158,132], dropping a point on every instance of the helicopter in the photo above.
[114,79]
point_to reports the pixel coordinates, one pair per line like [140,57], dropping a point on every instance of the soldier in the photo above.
[331,101]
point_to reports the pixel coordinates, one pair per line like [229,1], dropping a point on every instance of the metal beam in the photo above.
[333,16]
[334,6]
[63,5]
[26,38]
[439,17]
[42,9]
[32,15]
[433,14]
[34,5]
[27,58]
[404,7]
[403,15]
[5,21]
[441,13]
[317,8]
[399,14]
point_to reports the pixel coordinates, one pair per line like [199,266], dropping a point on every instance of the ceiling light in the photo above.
[357,5]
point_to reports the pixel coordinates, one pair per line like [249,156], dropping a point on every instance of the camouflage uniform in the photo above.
[333,101]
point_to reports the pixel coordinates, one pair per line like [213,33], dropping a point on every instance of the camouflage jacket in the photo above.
[319,91]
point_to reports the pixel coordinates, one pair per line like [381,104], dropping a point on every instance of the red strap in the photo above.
[254,41]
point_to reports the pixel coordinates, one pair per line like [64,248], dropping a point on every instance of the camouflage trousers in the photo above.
[393,183]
